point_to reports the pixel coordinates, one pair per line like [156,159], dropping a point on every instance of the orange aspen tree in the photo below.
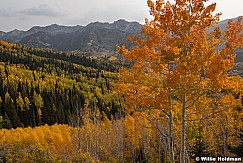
[177,35]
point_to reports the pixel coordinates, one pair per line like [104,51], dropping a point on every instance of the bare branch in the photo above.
[209,116]
[195,100]
[156,126]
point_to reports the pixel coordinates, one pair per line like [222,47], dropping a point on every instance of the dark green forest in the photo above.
[40,86]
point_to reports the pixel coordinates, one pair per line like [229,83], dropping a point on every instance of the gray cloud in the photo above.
[6,12]
[112,13]
[23,14]
[43,10]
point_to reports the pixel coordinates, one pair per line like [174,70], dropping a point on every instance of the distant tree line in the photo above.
[43,87]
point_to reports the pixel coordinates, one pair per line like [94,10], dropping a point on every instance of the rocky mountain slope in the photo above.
[95,38]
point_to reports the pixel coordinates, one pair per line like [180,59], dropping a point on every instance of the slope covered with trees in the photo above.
[42,87]
[175,103]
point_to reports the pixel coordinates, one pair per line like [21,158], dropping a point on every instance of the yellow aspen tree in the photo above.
[20,101]
[179,54]
[129,137]
[223,124]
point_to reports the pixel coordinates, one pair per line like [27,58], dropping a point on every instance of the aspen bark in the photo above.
[183,127]
[171,144]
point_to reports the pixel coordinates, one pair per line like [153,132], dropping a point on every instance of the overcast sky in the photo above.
[23,14]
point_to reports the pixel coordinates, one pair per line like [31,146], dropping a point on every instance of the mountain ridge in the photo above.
[96,38]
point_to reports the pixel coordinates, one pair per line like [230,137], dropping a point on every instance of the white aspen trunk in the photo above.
[183,127]
[170,130]
[95,133]
[171,144]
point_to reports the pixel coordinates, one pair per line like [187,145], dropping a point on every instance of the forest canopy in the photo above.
[174,102]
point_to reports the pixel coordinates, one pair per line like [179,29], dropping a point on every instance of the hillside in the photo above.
[43,87]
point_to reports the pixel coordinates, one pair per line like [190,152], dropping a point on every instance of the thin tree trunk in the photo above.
[183,126]
[170,130]
[95,132]
[133,153]
[171,149]
[159,145]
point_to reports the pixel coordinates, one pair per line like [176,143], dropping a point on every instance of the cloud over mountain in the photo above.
[43,10]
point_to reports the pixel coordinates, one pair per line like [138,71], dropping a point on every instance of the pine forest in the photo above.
[169,97]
